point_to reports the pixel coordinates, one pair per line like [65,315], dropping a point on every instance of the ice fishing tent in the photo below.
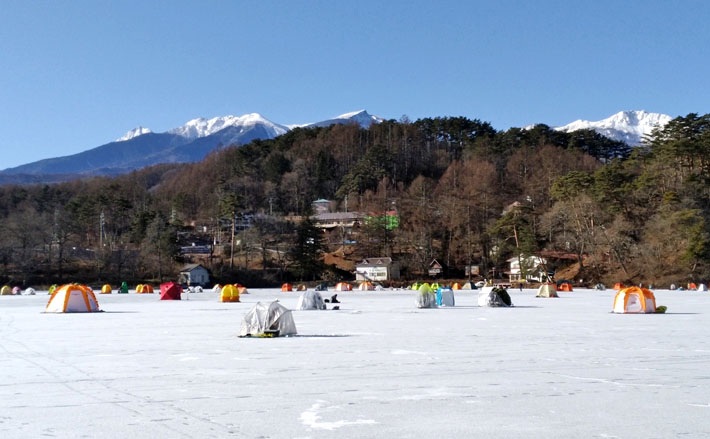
[301,287]
[445,297]
[416,285]
[229,293]
[242,289]
[72,298]
[494,297]
[144,289]
[620,286]
[30,291]
[600,287]
[564,286]
[106,289]
[16,291]
[170,291]
[310,300]
[5,291]
[366,286]
[456,286]
[692,286]
[217,288]
[286,287]
[343,286]
[268,320]
[52,288]
[425,297]
[634,300]
[702,287]
[547,289]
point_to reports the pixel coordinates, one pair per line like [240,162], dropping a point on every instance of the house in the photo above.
[533,268]
[435,268]
[377,269]
[332,220]
[194,274]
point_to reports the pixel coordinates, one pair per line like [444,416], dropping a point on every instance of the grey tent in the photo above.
[310,300]
[426,298]
[268,320]
[494,297]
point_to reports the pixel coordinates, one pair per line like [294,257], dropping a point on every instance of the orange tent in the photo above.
[366,286]
[343,286]
[692,286]
[144,289]
[286,287]
[72,298]
[634,300]
[565,286]
[456,286]
[618,286]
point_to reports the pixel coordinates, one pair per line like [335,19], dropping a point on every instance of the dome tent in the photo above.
[16,291]
[634,300]
[286,287]
[144,289]
[268,320]
[366,286]
[229,293]
[343,286]
[170,291]
[564,286]
[600,287]
[547,289]
[494,297]
[310,300]
[30,291]
[72,298]
[301,287]
[6,291]
[425,297]
[702,287]
[106,289]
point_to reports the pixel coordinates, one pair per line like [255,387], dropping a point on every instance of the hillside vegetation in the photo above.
[464,193]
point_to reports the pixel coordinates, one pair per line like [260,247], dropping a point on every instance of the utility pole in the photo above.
[102,221]
[231,243]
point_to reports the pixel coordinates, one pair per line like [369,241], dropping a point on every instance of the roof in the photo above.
[375,262]
[331,216]
[190,267]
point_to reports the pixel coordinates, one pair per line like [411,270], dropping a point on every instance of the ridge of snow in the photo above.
[202,127]
[626,126]
[135,132]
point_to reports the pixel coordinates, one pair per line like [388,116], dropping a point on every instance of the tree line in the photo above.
[464,193]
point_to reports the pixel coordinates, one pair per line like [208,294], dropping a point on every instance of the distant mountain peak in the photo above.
[360,117]
[135,132]
[202,127]
[626,126]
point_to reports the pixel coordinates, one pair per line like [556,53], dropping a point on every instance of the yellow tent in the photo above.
[5,291]
[144,289]
[106,289]
[634,300]
[72,298]
[230,293]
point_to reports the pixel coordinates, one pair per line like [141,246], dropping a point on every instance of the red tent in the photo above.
[170,291]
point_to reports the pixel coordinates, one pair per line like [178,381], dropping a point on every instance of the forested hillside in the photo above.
[464,193]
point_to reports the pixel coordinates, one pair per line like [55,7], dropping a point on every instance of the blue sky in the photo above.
[77,74]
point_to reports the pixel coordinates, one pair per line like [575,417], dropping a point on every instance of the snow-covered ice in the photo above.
[378,367]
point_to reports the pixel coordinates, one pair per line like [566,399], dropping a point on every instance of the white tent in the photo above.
[702,287]
[425,297]
[310,300]
[494,297]
[269,320]
[547,290]
[445,297]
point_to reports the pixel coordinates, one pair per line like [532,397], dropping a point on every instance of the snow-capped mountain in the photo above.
[362,117]
[190,142]
[134,133]
[202,127]
[626,126]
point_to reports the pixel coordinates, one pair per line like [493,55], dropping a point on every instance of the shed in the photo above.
[194,274]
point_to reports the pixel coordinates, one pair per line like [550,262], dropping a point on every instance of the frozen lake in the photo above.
[378,367]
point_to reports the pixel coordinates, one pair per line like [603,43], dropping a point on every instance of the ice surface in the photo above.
[378,367]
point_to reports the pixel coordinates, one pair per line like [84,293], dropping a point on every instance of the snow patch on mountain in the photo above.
[361,117]
[626,126]
[135,132]
[202,127]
